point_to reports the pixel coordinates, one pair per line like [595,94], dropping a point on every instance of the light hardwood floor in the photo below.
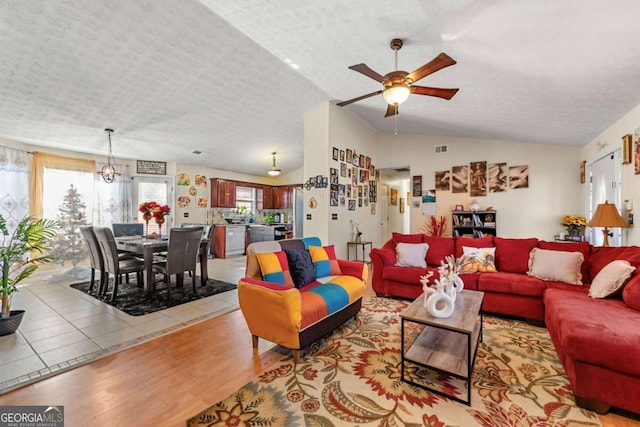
[167,380]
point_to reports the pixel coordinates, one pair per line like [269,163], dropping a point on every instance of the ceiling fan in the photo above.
[399,84]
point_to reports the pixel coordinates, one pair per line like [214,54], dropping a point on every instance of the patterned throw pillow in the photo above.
[324,261]
[480,260]
[275,268]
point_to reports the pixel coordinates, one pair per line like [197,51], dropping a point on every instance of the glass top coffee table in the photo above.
[445,344]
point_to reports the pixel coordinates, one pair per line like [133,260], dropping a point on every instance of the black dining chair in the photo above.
[182,255]
[113,264]
[95,257]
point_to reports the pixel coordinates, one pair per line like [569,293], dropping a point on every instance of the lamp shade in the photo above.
[606,215]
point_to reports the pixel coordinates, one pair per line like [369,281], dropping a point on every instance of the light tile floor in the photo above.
[63,327]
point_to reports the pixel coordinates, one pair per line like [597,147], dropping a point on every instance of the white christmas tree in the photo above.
[68,245]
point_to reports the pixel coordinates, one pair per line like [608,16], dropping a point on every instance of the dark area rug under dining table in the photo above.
[134,301]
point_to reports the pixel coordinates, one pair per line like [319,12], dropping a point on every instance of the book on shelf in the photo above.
[489,224]
[476,220]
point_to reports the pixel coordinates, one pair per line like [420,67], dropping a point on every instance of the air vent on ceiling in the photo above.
[442,148]
[402,170]
[197,152]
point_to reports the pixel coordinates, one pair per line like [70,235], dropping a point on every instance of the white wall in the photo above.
[554,185]
[612,136]
[327,126]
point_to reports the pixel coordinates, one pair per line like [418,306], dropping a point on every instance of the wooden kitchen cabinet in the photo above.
[264,196]
[283,197]
[223,193]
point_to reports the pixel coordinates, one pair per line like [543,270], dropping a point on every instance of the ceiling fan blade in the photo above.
[434,91]
[392,110]
[343,103]
[364,69]
[438,63]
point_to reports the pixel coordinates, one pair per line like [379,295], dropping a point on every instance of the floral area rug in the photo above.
[352,378]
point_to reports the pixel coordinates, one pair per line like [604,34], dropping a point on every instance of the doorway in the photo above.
[604,185]
[160,190]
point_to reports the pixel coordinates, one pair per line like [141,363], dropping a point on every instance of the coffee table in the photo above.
[445,344]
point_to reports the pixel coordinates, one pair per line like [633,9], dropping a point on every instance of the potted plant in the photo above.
[21,252]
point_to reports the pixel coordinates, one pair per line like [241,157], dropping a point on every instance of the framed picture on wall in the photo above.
[627,149]
[636,152]
[417,185]
[394,196]
[401,204]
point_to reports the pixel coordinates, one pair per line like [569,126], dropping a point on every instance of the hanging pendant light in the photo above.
[108,171]
[274,171]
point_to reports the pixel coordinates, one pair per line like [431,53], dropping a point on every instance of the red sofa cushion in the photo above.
[511,283]
[583,247]
[605,338]
[603,255]
[631,292]
[406,238]
[439,248]
[512,255]
[484,242]
[408,274]
[552,284]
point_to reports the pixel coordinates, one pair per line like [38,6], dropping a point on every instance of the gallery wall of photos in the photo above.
[352,180]
[478,178]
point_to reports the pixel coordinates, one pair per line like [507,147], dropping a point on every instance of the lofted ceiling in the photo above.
[174,76]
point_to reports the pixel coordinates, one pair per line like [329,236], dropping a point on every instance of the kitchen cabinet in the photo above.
[264,196]
[223,193]
[283,197]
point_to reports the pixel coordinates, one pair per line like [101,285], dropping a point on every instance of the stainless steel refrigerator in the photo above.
[298,211]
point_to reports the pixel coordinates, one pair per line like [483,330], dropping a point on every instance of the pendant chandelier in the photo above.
[274,171]
[108,171]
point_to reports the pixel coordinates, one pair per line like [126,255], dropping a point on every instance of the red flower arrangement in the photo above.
[153,209]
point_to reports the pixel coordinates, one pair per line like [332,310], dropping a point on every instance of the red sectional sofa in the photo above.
[596,339]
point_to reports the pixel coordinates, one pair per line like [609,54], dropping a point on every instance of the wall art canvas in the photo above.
[460,179]
[498,177]
[201,180]
[519,176]
[636,151]
[443,180]
[478,179]
[184,179]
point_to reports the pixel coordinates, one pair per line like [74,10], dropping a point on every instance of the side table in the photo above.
[362,245]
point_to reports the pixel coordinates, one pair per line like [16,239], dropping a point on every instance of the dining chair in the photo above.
[207,233]
[95,257]
[182,255]
[113,264]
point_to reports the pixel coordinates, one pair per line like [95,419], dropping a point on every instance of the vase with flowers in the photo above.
[147,209]
[575,224]
[159,213]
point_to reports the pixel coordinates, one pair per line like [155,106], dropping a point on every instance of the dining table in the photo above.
[148,246]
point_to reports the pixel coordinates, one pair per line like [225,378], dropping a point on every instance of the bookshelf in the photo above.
[473,224]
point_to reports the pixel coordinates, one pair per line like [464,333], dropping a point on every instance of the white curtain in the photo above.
[14,185]
[112,201]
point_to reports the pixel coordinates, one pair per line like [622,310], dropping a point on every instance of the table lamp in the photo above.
[606,215]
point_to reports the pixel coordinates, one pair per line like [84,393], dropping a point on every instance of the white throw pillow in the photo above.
[411,254]
[561,266]
[610,278]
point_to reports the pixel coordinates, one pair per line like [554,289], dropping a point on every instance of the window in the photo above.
[245,198]
[58,182]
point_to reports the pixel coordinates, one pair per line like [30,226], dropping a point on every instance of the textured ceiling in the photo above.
[173,76]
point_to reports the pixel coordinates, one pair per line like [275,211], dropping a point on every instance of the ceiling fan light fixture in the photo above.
[396,94]
[274,171]
[108,171]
